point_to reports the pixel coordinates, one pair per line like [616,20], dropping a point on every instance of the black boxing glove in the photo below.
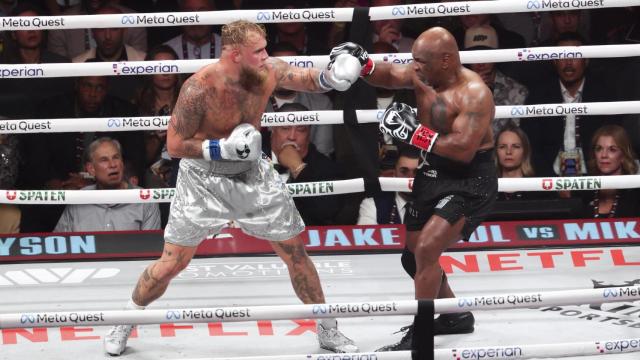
[400,122]
[357,51]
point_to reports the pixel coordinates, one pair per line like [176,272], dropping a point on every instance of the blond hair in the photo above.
[526,166]
[622,140]
[237,32]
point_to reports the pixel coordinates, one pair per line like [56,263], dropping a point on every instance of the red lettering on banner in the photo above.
[169,330]
[10,336]
[619,260]
[470,264]
[265,328]
[303,326]
[215,329]
[580,257]
[497,262]
[68,333]
[546,258]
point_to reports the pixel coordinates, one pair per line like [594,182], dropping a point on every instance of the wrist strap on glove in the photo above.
[368,68]
[424,138]
[211,150]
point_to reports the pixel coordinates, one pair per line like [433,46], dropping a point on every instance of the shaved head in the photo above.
[436,41]
[435,56]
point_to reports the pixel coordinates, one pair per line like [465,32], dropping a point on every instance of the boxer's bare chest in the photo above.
[229,105]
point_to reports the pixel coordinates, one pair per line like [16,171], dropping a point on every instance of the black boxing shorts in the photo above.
[452,190]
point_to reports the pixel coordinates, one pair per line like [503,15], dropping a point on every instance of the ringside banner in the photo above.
[232,241]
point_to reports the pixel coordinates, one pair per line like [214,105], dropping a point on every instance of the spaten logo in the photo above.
[145,194]
[11,194]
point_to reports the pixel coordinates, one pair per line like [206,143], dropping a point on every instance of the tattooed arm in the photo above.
[296,78]
[470,129]
[185,121]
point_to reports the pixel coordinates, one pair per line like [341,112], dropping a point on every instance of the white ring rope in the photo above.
[320,117]
[316,311]
[489,7]
[24,71]
[305,189]
[520,351]
[300,15]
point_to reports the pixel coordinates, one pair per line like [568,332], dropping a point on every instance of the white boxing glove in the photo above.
[244,143]
[343,71]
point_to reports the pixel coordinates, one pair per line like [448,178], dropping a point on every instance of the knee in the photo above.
[428,251]
[165,271]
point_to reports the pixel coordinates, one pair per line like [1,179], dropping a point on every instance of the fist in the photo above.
[340,73]
[356,51]
[243,144]
[400,122]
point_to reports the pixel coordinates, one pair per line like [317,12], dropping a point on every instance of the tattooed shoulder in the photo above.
[190,107]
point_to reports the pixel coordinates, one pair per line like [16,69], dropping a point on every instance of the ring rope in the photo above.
[22,71]
[299,15]
[305,189]
[316,311]
[520,351]
[290,118]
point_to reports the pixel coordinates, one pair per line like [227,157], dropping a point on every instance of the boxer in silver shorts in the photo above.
[214,128]
[209,194]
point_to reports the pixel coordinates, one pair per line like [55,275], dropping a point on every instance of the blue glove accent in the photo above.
[214,149]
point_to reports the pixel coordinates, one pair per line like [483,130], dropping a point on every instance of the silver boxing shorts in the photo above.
[209,194]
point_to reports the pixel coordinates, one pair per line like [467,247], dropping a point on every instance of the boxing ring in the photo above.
[526,311]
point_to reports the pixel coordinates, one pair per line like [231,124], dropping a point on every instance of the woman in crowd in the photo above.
[513,158]
[611,154]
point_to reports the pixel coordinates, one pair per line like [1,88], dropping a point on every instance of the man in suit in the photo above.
[560,142]
[389,207]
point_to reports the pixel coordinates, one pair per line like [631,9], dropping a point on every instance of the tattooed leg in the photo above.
[156,277]
[304,277]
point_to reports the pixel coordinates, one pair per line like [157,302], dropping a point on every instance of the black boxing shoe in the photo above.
[403,344]
[460,323]
[445,324]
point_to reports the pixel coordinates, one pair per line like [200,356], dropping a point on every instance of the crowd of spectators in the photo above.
[568,145]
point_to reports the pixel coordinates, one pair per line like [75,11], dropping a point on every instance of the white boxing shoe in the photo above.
[116,339]
[333,340]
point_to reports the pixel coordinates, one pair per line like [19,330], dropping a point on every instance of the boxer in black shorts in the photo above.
[456,184]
